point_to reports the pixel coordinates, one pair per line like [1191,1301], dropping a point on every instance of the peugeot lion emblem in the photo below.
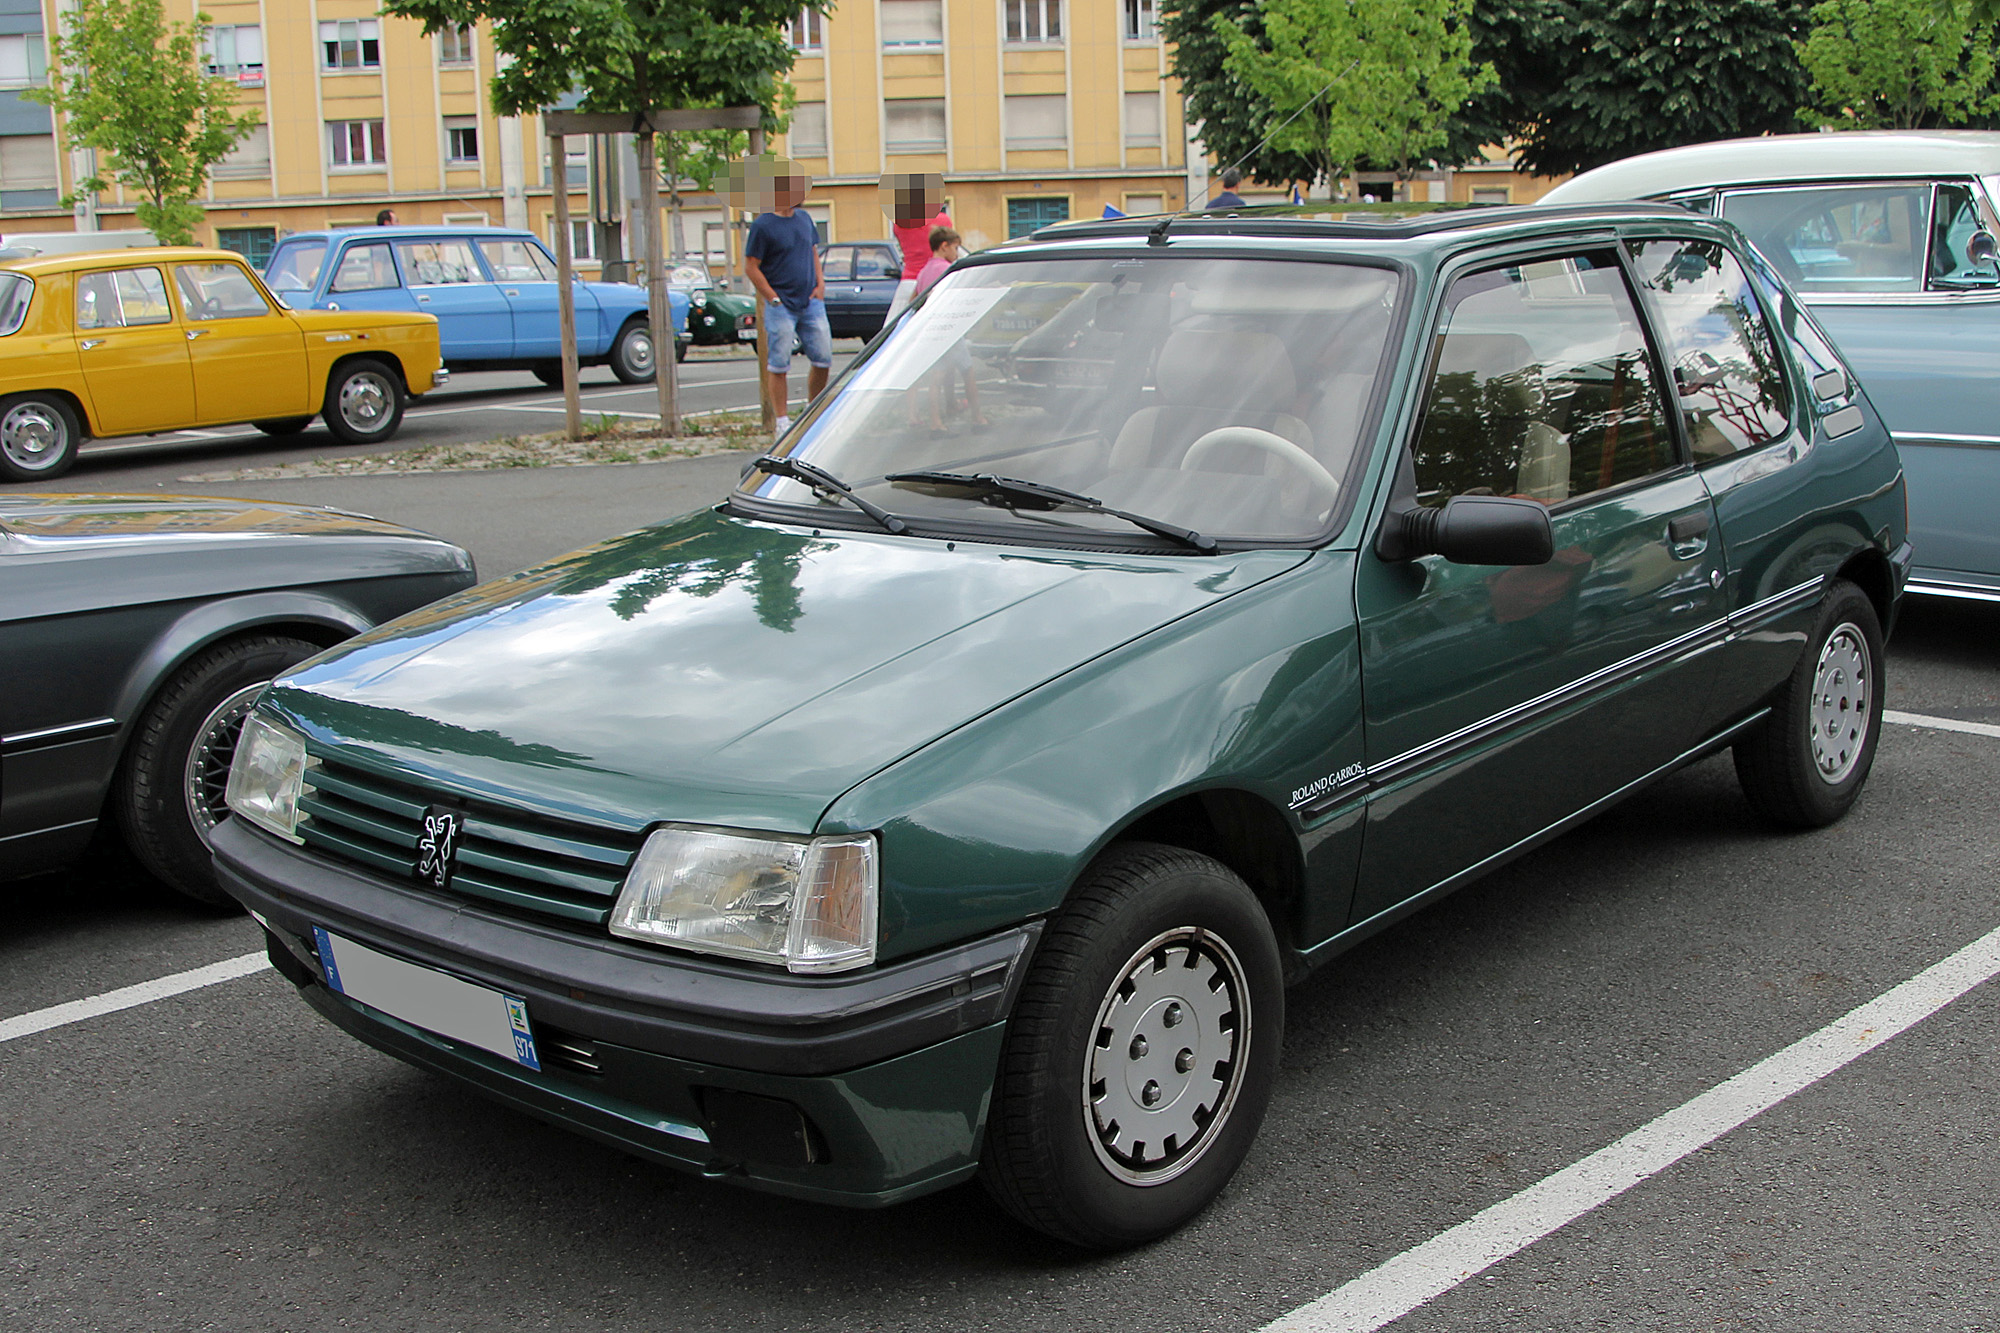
[437,850]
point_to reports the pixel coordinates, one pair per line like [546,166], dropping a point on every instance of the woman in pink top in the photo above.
[914,236]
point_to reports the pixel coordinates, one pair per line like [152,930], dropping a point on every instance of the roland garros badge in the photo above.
[437,850]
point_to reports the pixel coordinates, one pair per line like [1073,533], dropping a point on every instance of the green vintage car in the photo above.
[715,318]
[959,795]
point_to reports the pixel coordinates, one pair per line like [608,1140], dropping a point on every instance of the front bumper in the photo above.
[440,377]
[862,1089]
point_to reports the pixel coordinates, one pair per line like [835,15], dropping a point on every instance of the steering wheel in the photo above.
[1280,448]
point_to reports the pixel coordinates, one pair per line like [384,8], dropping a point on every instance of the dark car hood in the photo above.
[719,671]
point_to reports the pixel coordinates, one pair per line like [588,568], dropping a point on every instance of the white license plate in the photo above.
[431,1000]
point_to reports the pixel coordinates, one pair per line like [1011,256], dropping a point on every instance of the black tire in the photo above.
[39,436]
[1057,1156]
[170,783]
[549,374]
[632,354]
[283,426]
[364,401]
[681,351]
[1805,765]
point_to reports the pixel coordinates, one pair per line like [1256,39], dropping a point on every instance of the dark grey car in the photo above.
[134,633]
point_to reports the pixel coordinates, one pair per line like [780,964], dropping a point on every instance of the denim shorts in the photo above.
[809,331]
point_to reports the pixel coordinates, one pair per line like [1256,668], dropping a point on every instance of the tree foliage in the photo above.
[130,85]
[1349,81]
[1233,117]
[1899,64]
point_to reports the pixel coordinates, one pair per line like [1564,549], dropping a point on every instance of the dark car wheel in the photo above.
[632,354]
[364,401]
[283,426]
[38,437]
[680,351]
[171,783]
[1141,1054]
[1805,765]
[549,373]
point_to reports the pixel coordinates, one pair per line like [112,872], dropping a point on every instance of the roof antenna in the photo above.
[1158,234]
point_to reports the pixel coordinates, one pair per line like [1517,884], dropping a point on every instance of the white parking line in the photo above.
[1940,723]
[1450,1258]
[128,997]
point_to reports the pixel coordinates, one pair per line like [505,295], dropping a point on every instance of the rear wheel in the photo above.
[681,351]
[632,354]
[1805,765]
[1141,1054]
[170,786]
[283,426]
[38,437]
[549,373]
[364,401]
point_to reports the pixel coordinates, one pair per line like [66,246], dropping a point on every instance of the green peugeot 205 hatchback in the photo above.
[1160,609]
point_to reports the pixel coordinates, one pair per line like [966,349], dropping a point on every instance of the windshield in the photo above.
[688,278]
[295,268]
[1222,395]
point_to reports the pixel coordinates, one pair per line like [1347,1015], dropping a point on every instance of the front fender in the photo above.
[992,824]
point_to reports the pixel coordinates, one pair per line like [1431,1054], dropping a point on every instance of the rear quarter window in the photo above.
[17,293]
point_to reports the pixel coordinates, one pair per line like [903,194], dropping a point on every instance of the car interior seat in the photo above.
[1208,378]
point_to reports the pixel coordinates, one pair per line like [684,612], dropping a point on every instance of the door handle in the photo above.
[509,291]
[89,343]
[1687,534]
[195,333]
[423,300]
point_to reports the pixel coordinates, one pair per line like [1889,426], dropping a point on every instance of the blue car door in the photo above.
[445,276]
[527,279]
[364,277]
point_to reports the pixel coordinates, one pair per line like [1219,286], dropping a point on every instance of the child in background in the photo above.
[945,250]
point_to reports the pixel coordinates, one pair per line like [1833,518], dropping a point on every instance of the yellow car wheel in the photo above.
[364,401]
[38,437]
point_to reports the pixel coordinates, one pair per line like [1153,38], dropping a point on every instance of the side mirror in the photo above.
[1472,530]
[1982,248]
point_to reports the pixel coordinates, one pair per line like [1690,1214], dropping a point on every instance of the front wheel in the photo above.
[1804,766]
[38,437]
[1141,1054]
[364,402]
[632,354]
[549,373]
[680,351]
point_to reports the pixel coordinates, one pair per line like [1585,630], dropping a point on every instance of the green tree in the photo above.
[1349,81]
[1899,64]
[129,85]
[1233,116]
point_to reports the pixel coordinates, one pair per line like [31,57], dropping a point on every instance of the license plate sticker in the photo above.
[426,998]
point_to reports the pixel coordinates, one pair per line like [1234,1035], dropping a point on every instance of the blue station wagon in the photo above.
[1889,237]
[492,289]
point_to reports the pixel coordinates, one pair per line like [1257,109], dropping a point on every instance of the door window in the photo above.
[119,298]
[1725,362]
[871,262]
[1955,220]
[439,263]
[365,268]
[837,264]
[517,261]
[218,291]
[1860,238]
[1540,387]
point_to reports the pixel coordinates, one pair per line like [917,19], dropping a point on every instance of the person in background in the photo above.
[386,218]
[1231,178]
[781,259]
[945,250]
[942,385]
[916,208]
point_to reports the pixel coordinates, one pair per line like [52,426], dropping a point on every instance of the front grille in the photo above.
[566,1050]
[547,868]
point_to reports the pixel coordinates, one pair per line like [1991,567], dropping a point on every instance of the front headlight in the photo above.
[808,903]
[266,775]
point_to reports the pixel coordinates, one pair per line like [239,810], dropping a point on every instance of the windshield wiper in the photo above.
[1035,495]
[821,479]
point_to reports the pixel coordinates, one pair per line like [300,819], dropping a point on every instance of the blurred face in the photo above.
[913,196]
[790,191]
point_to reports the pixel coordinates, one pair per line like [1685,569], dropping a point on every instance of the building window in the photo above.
[461,138]
[912,22]
[1039,121]
[1034,20]
[1139,26]
[582,237]
[576,165]
[808,31]
[28,171]
[253,243]
[807,135]
[235,51]
[249,158]
[350,44]
[914,124]
[24,61]
[1143,205]
[1490,194]
[356,143]
[457,44]
[1025,215]
[1142,120]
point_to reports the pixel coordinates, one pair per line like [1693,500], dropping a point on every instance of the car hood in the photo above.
[79,520]
[720,671]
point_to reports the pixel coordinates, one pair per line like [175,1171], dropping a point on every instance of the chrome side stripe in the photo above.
[65,734]
[1955,441]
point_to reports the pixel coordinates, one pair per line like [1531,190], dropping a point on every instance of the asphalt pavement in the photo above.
[223,1159]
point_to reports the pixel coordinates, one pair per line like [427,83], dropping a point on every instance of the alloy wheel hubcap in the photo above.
[364,400]
[639,352]
[206,779]
[33,436]
[1163,1073]
[1842,683]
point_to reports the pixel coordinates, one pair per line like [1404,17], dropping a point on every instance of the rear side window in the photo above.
[122,297]
[295,268]
[517,261]
[16,291]
[365,268]
[1844,238]
[1725,363]
[1541,386]
[439,263]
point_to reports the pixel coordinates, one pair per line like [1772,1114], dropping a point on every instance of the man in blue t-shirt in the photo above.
[781,258]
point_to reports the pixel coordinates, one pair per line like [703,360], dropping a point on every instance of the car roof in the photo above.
[1446,226]
[403,233]
[1849,155]
[126,258]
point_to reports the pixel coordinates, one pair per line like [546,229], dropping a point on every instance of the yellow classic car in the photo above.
[132,342]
